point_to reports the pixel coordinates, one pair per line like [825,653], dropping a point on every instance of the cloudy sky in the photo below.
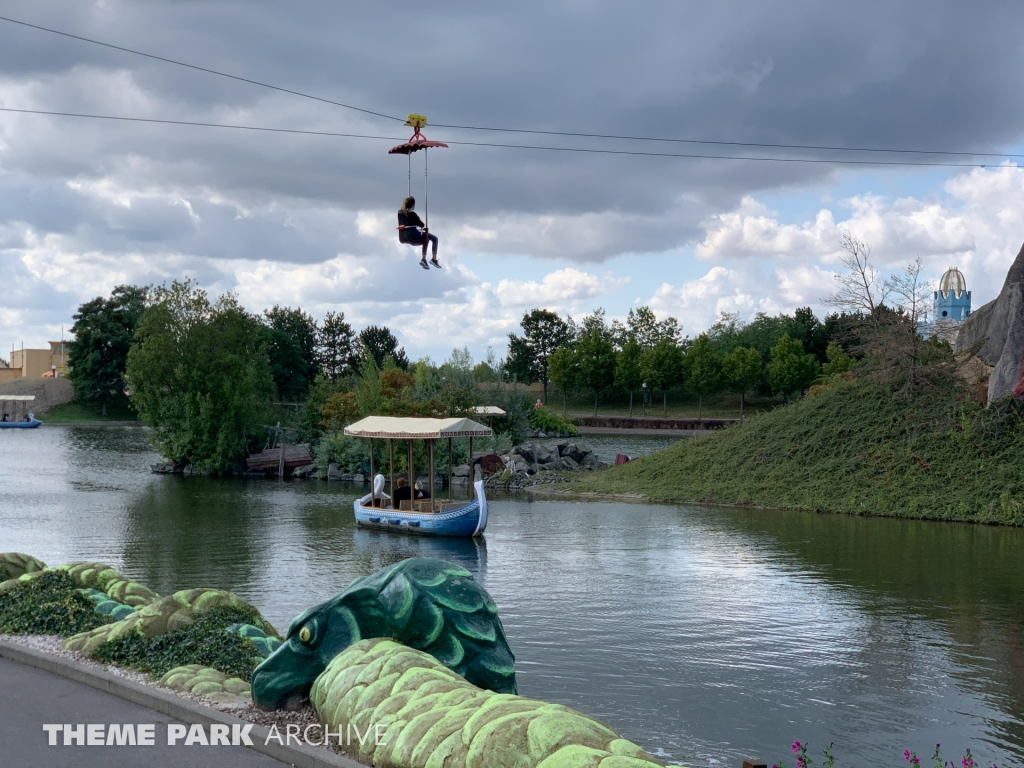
[309,221]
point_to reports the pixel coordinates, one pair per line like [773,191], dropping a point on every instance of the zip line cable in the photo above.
[761,145]
[201,69]
[690,156]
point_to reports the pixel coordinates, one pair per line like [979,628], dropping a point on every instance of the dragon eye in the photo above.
[305,634]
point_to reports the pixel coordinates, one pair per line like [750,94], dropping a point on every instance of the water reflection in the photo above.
[704,634]
[379,549]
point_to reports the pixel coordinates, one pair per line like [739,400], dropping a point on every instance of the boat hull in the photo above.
[20,424]
[467,520]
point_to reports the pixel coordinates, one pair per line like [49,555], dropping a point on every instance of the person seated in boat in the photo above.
[421,492]
[402,493]
[6,417]
[28,419]
[412,230]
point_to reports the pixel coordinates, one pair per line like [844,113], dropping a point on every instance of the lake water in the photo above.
[706,635]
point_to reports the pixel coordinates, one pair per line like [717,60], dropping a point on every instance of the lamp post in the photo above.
[644,387]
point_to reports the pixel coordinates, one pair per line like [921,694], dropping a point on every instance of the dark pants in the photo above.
[419,236]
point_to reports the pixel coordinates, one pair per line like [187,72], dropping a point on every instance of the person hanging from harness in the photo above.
[413,231]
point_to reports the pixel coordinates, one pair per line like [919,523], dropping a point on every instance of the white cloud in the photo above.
[769,265]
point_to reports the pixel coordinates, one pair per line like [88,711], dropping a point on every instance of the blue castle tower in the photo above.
[952,301]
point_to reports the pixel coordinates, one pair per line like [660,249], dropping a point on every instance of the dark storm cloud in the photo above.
[909,75]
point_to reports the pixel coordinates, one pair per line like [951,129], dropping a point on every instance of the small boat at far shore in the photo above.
[32,423]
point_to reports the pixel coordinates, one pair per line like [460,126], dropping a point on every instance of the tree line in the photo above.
[778,355]
[879,326]
[203,372]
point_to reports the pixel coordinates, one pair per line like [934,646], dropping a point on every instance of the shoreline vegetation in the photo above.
[857,446]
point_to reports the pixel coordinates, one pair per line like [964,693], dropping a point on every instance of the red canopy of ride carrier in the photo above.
[418,140]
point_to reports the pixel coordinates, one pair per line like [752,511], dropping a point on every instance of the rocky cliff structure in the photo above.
[991,339]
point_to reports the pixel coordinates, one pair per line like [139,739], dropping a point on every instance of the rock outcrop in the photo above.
[994,334]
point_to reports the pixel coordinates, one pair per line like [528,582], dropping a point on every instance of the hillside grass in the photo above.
[857,447]
[79,412]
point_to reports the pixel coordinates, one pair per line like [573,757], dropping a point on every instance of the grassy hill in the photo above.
[857,447]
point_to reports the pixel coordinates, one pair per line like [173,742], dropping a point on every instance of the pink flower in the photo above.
[795,747]
[906,755]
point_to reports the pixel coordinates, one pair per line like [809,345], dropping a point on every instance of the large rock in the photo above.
[568,463]
[996,331]
[527,451]
[545,454]
[572,451]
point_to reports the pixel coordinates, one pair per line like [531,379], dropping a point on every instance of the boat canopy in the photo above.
[17,398]
[488,410]
[405,428]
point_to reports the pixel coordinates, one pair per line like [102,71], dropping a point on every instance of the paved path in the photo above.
[645,432]
[30,697]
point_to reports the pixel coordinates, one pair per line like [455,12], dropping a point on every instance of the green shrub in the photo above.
[49,604]
[549,421]
[206,641]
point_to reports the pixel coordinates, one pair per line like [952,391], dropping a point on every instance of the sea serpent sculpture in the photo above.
[415,652]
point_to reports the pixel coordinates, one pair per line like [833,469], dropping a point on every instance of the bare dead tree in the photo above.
[910,293]
[861,290]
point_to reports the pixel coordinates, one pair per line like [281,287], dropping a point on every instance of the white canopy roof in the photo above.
[489,410]
[404,428]
[17,398]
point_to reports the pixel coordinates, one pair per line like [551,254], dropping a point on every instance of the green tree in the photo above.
[629,369]
[290,339]
[378,344]
[336,349]
[520,364]
[564,370]
[838,360]
[595,354]
[741,370]
[662,368]
[543,333]
[643,326]
[199,376]
[458,392]
[790,369]
[702,370]
[104,329]
[483,372]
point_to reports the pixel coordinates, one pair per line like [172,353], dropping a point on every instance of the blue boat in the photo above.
[444,518]
[32,423]
[423,517]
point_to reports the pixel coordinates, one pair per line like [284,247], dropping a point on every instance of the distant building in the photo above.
[34,363]
[952,300]
[951,305]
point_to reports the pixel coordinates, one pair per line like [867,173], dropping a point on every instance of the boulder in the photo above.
[569,463]
[544,454]
[462,470]
[527,451]
[358,477]
[334,472]
[519,463]
[996,332]
[591,462]
[572,451]
[584,448]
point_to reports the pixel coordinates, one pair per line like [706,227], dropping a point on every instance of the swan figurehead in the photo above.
[378,491]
